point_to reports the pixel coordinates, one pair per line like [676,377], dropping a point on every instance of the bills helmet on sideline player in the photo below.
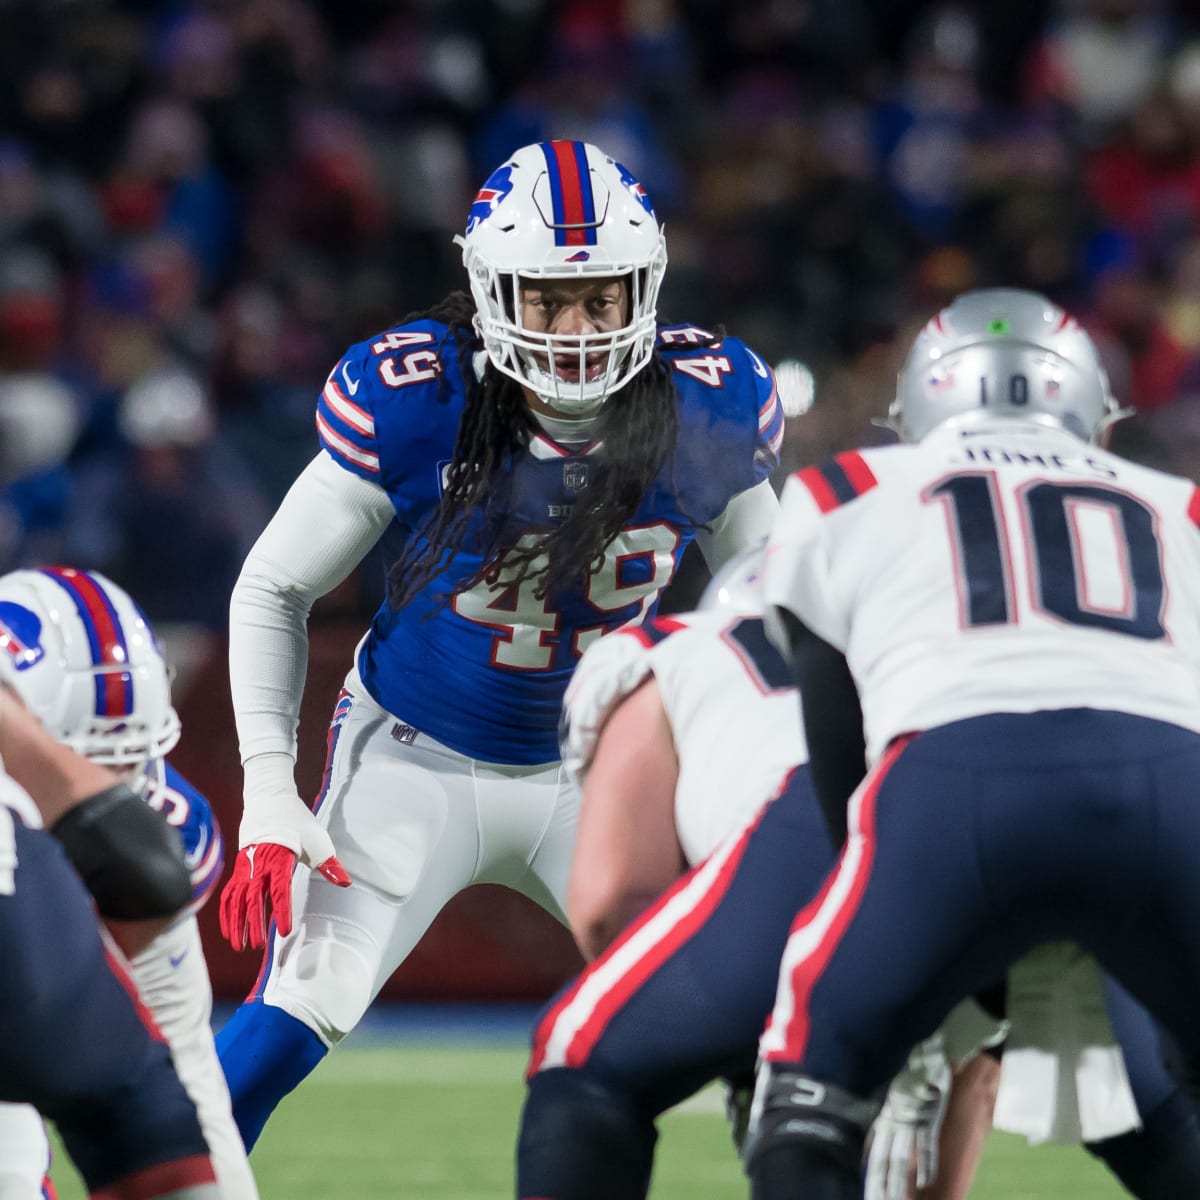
[83,658]
[563,211]
[737,587]
[1003,352]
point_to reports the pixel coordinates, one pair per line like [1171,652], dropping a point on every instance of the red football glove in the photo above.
[262,873]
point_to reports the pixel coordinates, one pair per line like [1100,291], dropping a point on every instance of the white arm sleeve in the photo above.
[746,521]
[321,532]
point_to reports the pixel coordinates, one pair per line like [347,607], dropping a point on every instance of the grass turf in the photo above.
[437,1121]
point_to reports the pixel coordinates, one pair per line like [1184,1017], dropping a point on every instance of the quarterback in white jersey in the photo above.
[1019,613]
[84,660]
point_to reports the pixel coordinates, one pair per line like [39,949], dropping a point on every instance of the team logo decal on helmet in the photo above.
[635,188]
[497,187]
[20,635]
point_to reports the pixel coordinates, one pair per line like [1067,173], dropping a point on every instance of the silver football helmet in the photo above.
[736,586]
[84,660]
[1003,352]
[563,210]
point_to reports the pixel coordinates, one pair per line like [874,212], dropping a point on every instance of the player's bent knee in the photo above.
[326,979]
[795,1114]
[581,1140]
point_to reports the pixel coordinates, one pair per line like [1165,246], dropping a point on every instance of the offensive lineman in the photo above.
[1018,612]
[536,459]
[83,659]
[78,1043]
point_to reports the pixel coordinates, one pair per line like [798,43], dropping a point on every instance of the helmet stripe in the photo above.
[571,193]
[114,689]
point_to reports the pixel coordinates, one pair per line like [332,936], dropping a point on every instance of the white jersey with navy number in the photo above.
[723,686]
[1002,568]
[484,674]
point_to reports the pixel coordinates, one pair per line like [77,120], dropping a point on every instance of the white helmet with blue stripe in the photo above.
[563,210]
[83,658]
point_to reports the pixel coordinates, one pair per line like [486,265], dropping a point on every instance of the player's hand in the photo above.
[904,1138]
[261,888]
[278,829]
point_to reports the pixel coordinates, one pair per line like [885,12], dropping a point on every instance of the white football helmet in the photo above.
[563,210]
[84,660]
[736,587]
[1003,352]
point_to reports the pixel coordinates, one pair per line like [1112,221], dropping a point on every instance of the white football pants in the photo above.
[414,823]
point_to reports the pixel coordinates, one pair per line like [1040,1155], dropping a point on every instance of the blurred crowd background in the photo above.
[202,203]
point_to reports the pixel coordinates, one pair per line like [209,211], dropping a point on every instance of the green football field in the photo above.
[437,1121]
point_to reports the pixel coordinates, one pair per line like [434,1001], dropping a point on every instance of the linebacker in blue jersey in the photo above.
[83,659]
[537,458]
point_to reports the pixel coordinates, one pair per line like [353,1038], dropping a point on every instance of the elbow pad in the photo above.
[129,858]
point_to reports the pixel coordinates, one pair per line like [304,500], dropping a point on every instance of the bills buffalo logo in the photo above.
[20,635]
[489,196]
[635,189]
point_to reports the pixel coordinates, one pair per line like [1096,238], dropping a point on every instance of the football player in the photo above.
[83,659]
[678,733]
[536,459]
[78,1043]
[1017,611]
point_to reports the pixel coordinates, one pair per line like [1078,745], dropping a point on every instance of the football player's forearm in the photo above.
[55,777]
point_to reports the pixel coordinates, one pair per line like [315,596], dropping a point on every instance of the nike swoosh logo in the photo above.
[760,368]
[350,387]
[176,959]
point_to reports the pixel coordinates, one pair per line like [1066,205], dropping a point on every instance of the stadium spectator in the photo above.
[539,456]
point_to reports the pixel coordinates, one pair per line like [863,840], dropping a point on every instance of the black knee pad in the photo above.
[794,1110]
[581,1140]
[1160,1161]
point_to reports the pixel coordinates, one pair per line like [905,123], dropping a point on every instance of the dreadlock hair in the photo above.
[638,426]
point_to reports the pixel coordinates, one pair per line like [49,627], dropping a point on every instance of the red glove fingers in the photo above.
[260,889]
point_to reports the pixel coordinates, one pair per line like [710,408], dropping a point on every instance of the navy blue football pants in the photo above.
[677,1001]
[76,1044]
[974,842]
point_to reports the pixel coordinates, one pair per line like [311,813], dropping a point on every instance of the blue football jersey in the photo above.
[189,811]
[485,672]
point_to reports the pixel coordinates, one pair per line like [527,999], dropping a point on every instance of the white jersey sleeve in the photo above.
[1005,568]
[323,529]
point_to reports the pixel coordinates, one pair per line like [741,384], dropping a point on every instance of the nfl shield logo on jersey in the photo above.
[575,475]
